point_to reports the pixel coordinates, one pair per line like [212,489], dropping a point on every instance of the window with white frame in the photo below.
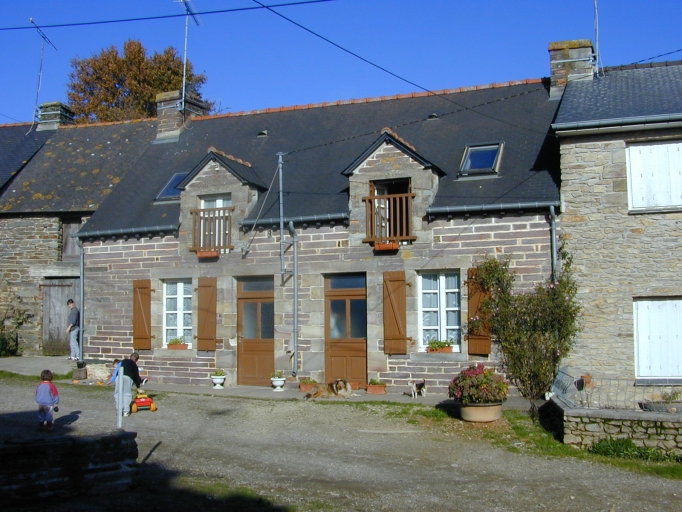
[654,176]
[658,344]
[177,310]
[439,308]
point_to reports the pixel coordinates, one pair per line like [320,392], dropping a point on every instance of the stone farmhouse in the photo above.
[621,193]
[331,240]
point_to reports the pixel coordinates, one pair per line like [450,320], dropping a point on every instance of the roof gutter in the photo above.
[483,208]
[619,124]
[275,221]
[169,228]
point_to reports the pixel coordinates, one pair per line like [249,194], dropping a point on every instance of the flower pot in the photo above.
[375,389]
[305,387]
[443,350]
[218,381]
[386,246]
[177,346]
[278,383]
[207,254]
[481,413]
[354,385]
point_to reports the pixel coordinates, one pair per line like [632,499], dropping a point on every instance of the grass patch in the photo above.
[528,437]
[15,377]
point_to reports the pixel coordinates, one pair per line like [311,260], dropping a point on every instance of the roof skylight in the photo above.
[170,191]
[481,159]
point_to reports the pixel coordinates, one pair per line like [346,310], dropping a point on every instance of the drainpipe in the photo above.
[553,244]
[292,231]
[82,298]
[281,215]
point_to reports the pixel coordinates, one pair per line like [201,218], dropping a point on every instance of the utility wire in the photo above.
[167,16]
[270,8]
[657,56]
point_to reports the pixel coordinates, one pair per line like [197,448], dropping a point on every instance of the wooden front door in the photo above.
[55,314]
[346,328]
[255,331]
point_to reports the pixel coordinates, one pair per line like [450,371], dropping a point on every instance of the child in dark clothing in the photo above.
[47,397]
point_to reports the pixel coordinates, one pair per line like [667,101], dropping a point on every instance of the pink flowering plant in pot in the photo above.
[478,385]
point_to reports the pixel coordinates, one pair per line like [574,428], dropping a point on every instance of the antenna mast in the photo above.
[42,53]
[189,11]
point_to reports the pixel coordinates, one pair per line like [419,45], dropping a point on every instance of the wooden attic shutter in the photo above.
[395,313]
[479,343]
[142,312]
[206,323]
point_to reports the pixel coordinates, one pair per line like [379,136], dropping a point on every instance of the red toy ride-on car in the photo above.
[142,402]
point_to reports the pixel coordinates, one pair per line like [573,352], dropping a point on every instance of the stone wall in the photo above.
[581,428]
[29,247]
[617,256]
[65,466]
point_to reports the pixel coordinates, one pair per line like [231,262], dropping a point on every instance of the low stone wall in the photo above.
[581,427]
[65,466]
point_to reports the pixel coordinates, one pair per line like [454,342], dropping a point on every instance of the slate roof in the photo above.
[18,144]
[77,167]
[323,141]
[623,95]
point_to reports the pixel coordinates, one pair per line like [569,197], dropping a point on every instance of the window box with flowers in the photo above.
[481,393]
[176,344]
[439,346]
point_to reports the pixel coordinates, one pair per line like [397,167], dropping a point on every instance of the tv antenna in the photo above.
[190,12]
[40,70]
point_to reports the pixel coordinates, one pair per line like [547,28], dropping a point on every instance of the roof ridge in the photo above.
[213,149]
[22,123]
[495,85]
[105,123]
[642,65]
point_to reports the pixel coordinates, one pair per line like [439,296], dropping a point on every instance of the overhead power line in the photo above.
[270,8]
[657,56]
[167,16]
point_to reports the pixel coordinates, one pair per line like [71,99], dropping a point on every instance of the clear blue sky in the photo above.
[255,59]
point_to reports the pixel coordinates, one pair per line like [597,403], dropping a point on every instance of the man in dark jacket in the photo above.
[129,374]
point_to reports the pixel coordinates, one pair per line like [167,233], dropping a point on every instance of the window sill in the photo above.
[176,354]
[665,381]
[662,209]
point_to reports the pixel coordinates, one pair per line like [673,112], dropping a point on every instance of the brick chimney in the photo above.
[172,114]
[51,115]
[568,61]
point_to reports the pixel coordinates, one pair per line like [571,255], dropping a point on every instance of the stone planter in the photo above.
[376,389]
[278,383]
[481,413]
[218,381]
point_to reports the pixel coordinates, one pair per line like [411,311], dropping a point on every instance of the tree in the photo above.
[114,87]
[536,329]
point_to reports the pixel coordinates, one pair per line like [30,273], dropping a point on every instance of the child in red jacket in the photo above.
[47,397]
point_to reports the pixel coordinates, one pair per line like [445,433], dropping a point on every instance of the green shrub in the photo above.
[535,329]
[12,317]
[626,449]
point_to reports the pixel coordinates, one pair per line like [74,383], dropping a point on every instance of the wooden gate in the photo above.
[346,328]
[55,314]
[255,331]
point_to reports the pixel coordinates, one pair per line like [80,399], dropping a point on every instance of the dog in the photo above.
[339,387]
[417,388]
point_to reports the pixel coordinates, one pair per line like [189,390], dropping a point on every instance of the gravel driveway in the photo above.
[324,456]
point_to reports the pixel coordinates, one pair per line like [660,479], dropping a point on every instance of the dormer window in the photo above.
[212,224]
[483,159]
[389,212]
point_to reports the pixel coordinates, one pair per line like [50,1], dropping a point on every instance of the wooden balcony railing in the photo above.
[211,229]
[389,218]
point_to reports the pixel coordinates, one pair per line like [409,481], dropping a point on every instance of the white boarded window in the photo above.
[654,175]
[439,308]
[658,349]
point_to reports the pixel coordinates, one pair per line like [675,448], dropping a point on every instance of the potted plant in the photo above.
[218,377]
[665,402]
[176,344]
[278,380]
[376,387]
[481,392]
[439,346]
[305,385]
